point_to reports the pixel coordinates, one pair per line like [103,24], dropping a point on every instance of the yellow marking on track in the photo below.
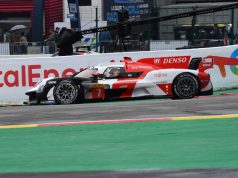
[18,126]
[228,116]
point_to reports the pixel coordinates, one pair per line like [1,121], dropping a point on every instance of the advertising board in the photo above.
[136,9]
[17,75]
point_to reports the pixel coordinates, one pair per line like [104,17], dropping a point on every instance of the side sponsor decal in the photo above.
[29,75]
[168,62]
[206,63]
[98,91]
[160,75]
[128,86]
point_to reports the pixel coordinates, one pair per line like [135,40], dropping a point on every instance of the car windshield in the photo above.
[113,72]
[87,73]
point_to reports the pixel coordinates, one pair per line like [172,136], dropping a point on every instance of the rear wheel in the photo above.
[185,86]
[66,92]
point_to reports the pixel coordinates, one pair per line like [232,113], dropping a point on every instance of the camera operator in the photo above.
[123,29]
[67,37]
[123,16]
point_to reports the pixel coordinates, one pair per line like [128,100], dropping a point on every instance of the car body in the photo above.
[126,79]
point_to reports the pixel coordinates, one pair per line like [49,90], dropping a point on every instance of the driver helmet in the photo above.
[115,71]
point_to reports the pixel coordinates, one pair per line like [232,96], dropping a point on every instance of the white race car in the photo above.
[128,79]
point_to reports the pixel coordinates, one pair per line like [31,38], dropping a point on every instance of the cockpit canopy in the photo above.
[114,72]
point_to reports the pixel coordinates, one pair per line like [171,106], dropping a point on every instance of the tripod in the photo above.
[120,40]
[122,31]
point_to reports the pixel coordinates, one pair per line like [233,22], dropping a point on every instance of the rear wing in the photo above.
[180,62]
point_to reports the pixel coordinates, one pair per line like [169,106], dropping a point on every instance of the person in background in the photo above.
[123,29]
[57,30]
[16,36]
[123,15]
[23,43]
[67,38]
[104,39]
[15,47]
[236,35]
[6,37]
[216,32]
[29,35]
[203,37]
[229,34]
[51,41]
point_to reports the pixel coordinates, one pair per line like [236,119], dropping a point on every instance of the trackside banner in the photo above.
[17,75]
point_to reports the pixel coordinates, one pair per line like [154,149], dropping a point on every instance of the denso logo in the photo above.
[171,60]
[29,75]
[175,60]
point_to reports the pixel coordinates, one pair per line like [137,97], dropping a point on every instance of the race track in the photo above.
[149,108]
[136,109]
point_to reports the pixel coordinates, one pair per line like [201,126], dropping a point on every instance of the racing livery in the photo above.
[174,77]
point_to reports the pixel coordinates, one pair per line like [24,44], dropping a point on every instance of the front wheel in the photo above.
[185,86]
[66,92]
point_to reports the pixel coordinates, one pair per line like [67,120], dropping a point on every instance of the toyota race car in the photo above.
[128,79]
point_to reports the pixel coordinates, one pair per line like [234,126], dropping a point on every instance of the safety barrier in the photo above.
[103,47]
[123,45]
[29,48]
[156,45]
[4,49]
[17,75]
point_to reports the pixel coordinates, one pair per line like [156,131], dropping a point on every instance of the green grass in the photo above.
[219,92]
[156,145]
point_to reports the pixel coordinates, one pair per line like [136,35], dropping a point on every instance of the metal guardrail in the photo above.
[207,43]
[125,45]
[110,46]
[4,49]
[29,48]
[43,48]
[167,44]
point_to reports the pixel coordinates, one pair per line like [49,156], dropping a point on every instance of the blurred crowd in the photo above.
[18,41]
[61,40]
[58,40]
[224,34]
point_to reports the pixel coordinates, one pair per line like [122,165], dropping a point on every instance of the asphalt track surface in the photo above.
[136,109]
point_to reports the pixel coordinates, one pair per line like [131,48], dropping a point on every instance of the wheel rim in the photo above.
[66,93]
[187,87]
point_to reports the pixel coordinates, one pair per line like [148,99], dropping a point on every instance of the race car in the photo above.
[127,79]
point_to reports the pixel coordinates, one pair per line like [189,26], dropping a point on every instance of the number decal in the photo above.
[98,93]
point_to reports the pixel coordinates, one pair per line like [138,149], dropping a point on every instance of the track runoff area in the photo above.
[169,146]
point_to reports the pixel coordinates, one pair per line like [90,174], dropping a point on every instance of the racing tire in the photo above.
[185,86]
[67,92]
